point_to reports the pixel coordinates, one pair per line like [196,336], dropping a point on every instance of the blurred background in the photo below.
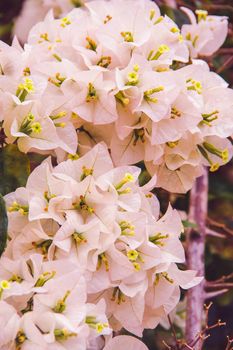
[219,250]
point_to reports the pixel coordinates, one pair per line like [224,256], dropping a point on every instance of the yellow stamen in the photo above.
[201,15]
[65,21]
[91,44]
[120,97]
[44,277]
[128,36]
[126,179]
[73,156]
[63,334]
[91,94]
[132,255]
[20,339]
[102,259]
[148,94]
[60,306]
[153,56]
[104,61]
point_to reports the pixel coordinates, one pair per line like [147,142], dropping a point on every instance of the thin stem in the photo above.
[225,65]
[177,347]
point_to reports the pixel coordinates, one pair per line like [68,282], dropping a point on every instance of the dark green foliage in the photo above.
[14,169]
[3,225]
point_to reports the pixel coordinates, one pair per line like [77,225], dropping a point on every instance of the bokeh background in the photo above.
[15,167]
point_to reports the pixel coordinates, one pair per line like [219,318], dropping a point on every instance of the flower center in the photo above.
[128,37]
[83,206]
[164,275]
[135,258]
[148,94]
[120,97]
[63,334]
[79,238]
[44,246]
[104,61]
[118,296]
[175,113]
[126,228]
[194,85]
[73,156]
[138,134]
[133,77]
[65,21]
[158,238]
[60,306]
[24,89]
[44,277]
[57,80]
[91,93]
[154,55]
[22,209]
[91,44]
[86,172]
[93,323]
[102,259]
[172,144]
[20,339]
[209,117]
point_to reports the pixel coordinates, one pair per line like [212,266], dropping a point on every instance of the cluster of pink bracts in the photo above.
[88,253]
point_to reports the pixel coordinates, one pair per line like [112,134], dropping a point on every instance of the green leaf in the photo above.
[3,225]
[5,29]
[189,224]
[144,177]
[14,169]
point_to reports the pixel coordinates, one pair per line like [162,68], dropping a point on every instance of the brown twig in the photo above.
[223,278]
[211,295]
[202,335]
[225,51]
[197,342]
[210,232]
[167,346]
[177,342]
[219,225]
[225,65]
[217,7]
[229,342]
[187,346]
[219,286]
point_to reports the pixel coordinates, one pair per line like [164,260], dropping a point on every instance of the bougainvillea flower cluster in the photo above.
[97,89]
[88,254]
[97,74]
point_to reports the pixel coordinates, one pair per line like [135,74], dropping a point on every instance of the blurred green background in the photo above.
[15,167]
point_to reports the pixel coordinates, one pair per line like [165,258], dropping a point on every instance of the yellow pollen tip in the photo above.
[175,30]
[132,255]
[73,156]
[128,177]
[65,21]
[4,284]
[214,167]
[137,266]
[225,155]
[36,127]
